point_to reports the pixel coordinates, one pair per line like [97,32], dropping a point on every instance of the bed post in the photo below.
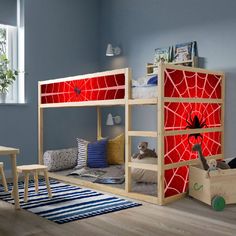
[127,128]
[160,136]
[223,115]
[99,123]
[40,127]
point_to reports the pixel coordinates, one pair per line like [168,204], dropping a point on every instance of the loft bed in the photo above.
[184,95]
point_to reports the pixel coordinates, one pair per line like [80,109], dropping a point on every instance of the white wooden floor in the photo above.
[185,217]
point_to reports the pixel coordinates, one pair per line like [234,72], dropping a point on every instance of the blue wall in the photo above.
[69,37]
[8,12]
[140,26]
[60,40]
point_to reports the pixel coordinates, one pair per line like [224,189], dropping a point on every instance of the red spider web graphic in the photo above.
[185,115]
[185,84]
[87,89]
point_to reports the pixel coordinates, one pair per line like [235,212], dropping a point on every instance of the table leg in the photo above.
[36,181]
[15,181]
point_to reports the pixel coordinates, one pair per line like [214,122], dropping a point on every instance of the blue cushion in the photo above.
[97,154]
[152,80]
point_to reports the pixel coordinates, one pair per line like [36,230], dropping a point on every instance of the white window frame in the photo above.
[15,52]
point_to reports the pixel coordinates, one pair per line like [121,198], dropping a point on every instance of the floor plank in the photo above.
[182,218]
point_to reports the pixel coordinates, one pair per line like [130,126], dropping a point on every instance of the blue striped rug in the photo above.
[68,203]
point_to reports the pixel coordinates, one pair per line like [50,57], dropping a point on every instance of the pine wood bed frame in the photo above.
[215,130]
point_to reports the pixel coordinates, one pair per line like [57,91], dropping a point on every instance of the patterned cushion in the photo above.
[116,150]
[61,159]
[82,153]
[97,154]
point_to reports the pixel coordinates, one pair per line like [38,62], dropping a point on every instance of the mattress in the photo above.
[144,92]
[117,171]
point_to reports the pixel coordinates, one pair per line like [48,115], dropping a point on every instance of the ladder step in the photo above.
[147,101]
[143,166]
[142,133]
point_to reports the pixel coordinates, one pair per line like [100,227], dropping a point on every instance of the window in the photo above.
[12,44]
[8,47]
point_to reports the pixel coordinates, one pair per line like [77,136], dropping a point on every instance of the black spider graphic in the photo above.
[195,123]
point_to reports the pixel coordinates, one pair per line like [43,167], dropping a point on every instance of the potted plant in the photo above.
[7,77]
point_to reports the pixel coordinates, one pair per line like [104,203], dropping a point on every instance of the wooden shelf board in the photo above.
[142,134]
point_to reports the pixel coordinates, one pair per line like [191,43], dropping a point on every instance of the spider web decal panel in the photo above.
[176,181]
[87,89]
[180,116]
[185,84]
[179,147]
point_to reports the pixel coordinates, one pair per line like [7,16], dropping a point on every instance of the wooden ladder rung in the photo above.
[145,101]
[143,166]
[143,134]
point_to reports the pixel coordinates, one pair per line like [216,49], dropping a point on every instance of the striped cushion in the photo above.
[82,153]
[97,154]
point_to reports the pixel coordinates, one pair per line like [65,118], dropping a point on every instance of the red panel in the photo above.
[184,115]
[179,147]
[180,83]
[88,89]
[176,181]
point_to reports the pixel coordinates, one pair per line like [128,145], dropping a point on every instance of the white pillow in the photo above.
[144,176]
[60,159]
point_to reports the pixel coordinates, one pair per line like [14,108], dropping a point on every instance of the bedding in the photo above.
[144,92]
[116,150]
[97,154]
[92,154]
[144,87]
[82,153]
[62,159]
[144,176]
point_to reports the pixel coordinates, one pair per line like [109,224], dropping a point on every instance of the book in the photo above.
[162,54]
[85,172]
[184,51]
[110,180]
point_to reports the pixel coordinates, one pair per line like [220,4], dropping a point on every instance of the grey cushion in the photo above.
[60,159]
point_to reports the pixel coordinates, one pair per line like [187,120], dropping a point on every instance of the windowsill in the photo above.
[13,104]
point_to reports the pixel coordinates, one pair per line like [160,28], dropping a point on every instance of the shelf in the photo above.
[145,101]
[143,166]
[150,66]
[151,134]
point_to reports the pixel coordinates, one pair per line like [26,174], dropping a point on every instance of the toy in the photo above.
[212,167]
[144,151]
[220,164]
[216,191]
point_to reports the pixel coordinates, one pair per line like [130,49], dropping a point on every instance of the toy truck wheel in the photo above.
[218,203]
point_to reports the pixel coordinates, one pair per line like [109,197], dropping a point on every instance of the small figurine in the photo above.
[144,151]
[212,167]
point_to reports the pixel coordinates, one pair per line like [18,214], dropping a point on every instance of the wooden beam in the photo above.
[192,131]
[40,128]
[193,100]
[78,77]
[143,166]
[99,123]
[152,134]
[146,101]
[160,138]
[114,102]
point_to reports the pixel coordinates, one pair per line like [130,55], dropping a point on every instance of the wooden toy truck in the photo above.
[216,190]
